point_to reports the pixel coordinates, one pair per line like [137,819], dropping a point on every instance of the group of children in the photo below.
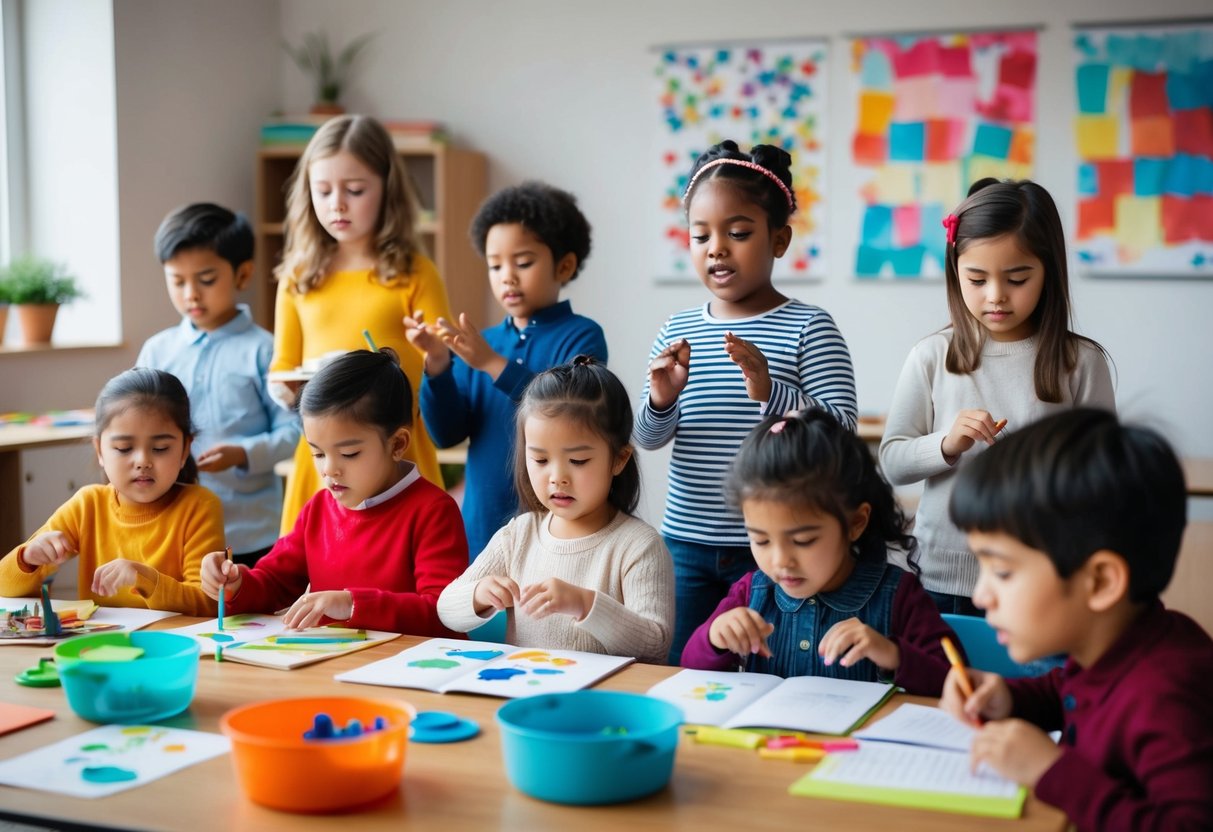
[782,548]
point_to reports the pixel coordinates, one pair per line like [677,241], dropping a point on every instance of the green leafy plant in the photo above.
[32,280]
[329,74]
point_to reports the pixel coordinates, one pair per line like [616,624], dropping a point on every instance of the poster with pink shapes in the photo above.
[932,114]
[755,93]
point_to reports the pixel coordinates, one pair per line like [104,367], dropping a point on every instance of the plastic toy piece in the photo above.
[45,675]
[440,727]
[111,653]
[51,624]
[324,729]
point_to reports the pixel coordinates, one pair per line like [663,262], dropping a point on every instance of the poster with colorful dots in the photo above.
[443,666]
[933,113]
[1143,135]
[757,93]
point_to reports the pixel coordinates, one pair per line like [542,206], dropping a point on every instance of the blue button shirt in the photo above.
[224,373]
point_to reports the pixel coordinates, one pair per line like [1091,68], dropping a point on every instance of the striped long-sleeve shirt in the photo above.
[809,365]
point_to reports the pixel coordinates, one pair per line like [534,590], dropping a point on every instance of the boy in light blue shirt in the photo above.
[222,358]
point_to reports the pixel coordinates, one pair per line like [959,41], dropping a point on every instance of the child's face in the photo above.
[733,249]
[571,469]
[1035,611]
[346,196]
[1001,285]
[142,452]
[354,460]
[522,273]
[801,548]
[203,286]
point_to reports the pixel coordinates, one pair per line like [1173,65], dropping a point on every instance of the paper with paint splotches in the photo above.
[236,628]
[110,759]
[263,640]
[445,665]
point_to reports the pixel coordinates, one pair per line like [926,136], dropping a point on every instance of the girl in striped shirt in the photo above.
[717,369]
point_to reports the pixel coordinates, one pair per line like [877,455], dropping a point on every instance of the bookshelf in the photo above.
[450,183]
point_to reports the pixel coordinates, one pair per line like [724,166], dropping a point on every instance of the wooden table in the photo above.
[454,787]
[13,440]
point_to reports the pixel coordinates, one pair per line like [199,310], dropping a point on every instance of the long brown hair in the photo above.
[309,248]
[1026,210]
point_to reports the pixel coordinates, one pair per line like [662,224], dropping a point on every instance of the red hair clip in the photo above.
[951,222]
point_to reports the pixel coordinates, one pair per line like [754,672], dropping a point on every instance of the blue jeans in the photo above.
[702,577]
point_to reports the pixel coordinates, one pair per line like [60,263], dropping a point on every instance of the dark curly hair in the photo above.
[547,212]
[757,187]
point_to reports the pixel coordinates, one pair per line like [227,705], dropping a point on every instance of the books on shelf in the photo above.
[446,665]
[815,704]
[298,129]
[264,640]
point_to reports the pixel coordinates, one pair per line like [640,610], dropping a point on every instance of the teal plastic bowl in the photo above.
[589,747]
[155,686]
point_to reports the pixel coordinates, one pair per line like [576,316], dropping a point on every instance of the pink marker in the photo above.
[840,745]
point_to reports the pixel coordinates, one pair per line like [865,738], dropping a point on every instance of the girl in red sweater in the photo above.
[378,543]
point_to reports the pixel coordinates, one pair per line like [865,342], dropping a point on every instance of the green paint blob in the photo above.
[441,664]
[95,746]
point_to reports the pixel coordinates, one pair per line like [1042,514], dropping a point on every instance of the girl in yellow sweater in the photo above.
[138,540]
[353,262]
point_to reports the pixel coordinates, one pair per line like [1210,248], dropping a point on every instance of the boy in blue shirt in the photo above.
[534,239]
[222,358]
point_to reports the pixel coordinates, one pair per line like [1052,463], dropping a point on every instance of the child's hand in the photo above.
[970,426]
[110,578]
[741,630]
[668,374]
[48,548]
[219,572]
[428,340]
[991,697]
[539,600]
[222,457]
[753,364]
[494,592]
[853,641]
[1015,749]
[467,343]
[337,604]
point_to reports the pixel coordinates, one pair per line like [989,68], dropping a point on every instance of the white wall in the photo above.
[564,91]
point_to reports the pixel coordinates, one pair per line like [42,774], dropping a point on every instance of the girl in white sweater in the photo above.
[1007,360]
[575,570]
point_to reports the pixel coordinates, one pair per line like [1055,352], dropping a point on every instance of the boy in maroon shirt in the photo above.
[1076,522]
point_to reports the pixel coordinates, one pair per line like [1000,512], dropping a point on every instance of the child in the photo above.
[822,524]
[140,539]
[535,240]
[576,570]
[1007,359]
[788,354]
[1076,522]
[221,357]
[378,543]
[352,263]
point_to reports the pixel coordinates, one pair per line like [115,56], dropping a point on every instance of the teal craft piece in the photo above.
[45,675]
[441,727]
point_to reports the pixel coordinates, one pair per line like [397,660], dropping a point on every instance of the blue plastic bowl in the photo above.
[589,747]
[155,686]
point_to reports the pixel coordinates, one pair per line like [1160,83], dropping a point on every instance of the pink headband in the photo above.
[752,166]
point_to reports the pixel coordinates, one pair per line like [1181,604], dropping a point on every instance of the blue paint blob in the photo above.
[222,637]
[486,655]
[496,674]
[547,671]
[108,774]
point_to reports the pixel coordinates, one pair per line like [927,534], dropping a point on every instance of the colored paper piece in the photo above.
[1023,146]
[943,139]
[1202,175]
[1194,131]
[981,167]
[954,62]
[875,113]
[1017,69]
[956,98]
[1184,92]
[878,226]
[920,59]
[869,150]
[907,262]
[1092,81]
[1096,217]
[1178,220]
[1088,180]
[992,140]
[934,236]
[1152,136]
[1148,176]
[869,260]
[1201,216]
[1097,137]
[1008,104]
[1138,221]
[1182,50]
[15,717]
[907,141]
[907,225]
[876,71]
[1115,177]
[941,183]
[1181,177]
[895,184]
[1147,95]
[915,99]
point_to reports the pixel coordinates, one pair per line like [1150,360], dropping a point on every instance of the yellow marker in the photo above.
[793,755]
[711,735]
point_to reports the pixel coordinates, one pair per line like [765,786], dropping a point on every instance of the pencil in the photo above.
[957,665]
[227,557]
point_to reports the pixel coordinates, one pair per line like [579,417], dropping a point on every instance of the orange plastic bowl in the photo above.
[278,768]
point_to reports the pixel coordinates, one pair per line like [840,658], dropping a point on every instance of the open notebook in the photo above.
[917,756]
[817,704]
[446,665]
[265,641]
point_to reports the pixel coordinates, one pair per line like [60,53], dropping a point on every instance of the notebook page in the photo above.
[813,703]
[920,725]
[709,697]
[881,765]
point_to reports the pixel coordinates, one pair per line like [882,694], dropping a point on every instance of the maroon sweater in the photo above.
[394,558]
[1137,729]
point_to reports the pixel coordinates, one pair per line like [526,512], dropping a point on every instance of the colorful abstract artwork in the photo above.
[753,94]
[1144,139]
[933,114]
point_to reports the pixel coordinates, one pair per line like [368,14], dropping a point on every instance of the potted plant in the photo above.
[329,74]
[36,287]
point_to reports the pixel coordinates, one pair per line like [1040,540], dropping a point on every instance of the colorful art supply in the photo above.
[324,729]
[370,342]
[441,727]
[44,675]
[711,735]
[227,558]
[792,755]
[15,717]
[112,653]
[962,675]
[50,624]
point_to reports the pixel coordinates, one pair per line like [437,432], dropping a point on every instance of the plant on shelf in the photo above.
[36,287]
[329,73]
